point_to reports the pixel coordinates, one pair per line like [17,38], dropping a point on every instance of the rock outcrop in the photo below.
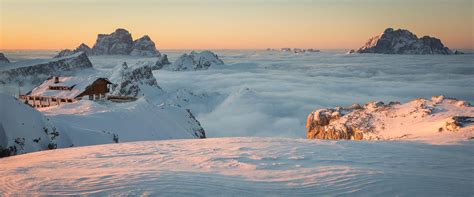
[195,61]
[3,59]
[131,81]
[119,42]
[37,72]
[403,42]
[419,118]
[144,46]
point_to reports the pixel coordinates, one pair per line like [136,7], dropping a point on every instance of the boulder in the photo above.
[402,41]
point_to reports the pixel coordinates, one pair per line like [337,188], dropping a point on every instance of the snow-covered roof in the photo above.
[76,86]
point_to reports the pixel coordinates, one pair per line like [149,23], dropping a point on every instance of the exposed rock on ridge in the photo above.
[376,120]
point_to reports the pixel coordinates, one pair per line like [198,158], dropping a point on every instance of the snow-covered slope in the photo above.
[132,121]
[244,167]
[439,120]
[24,129]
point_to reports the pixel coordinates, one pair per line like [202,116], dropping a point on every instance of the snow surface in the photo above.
[141,120]
[244,167]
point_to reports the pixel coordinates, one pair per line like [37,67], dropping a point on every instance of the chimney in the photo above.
[56,79]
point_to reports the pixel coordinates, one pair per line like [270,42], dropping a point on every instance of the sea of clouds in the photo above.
[260,93]
[270,93]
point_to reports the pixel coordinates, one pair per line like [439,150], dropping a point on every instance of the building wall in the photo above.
[99,87]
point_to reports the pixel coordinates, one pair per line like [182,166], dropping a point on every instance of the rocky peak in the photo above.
[144,46]
[130,81]
[119,42]
[3,59]
[402,41]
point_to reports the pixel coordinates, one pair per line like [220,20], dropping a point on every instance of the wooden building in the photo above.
[58,90]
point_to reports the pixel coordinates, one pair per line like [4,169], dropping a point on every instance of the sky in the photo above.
[232,24]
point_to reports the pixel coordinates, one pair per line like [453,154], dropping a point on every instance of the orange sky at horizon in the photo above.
[232,24]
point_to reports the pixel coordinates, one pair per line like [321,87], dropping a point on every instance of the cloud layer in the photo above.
[271,93]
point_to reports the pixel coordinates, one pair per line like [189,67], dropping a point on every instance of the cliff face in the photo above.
[403,42]
[38,72]
[419,118]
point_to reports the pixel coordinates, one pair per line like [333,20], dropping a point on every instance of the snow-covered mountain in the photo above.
[36,71]
[243,167]
[3,59]
[438,120]
[24,129]
[402,41]
[194,61]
